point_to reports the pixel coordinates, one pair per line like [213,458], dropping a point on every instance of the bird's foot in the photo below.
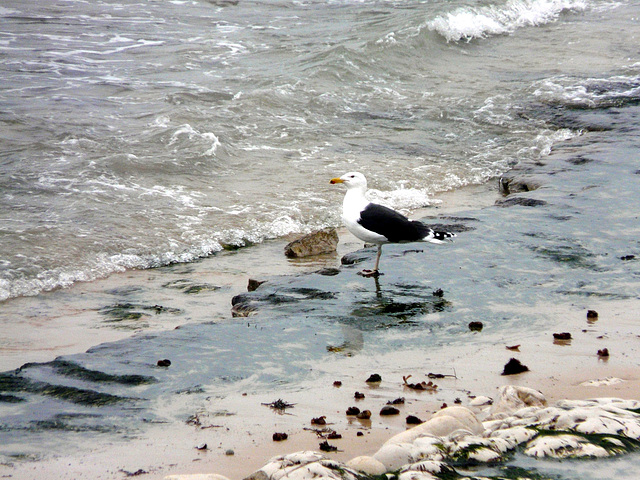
[370,273]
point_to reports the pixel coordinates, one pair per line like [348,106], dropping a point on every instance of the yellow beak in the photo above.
[336,180]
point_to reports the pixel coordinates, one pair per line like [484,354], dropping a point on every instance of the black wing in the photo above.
[391,224]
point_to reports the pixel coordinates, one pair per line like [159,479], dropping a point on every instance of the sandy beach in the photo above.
[232,434]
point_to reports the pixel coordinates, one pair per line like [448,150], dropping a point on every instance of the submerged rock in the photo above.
[512,182]
[316,243]
[521,201]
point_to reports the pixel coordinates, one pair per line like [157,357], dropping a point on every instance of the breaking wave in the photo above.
[468,23]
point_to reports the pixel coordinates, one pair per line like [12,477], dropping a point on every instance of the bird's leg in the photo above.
[374,272]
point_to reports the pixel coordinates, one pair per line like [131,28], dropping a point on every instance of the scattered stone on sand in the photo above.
[279,404]
[333,435]
[327,447]
[164,363]
[397,401]
[413,420]
[438,293]
[253,284]
[519,420]
[424,386]
[202,446]
[562,336]
[475,326]
[626,258]
[374,378]
[358,395]
[603,352]
[514,348]
[316,243]
[364,415]
[353,411]
[591,314]
[513,367]
[389,410]
[229,452]
[337,383]
[279,437]
[319,420]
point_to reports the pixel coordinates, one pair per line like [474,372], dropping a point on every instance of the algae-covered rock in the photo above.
[316,243]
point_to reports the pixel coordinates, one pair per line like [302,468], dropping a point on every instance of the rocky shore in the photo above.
[560,241]
[541,258]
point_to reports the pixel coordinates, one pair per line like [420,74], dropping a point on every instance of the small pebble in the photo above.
[413,420]
[514,367]
[603,353]
[229,452]
[319,420]
[359,396]
[364,415]
[279,437]
[592,314]
[389,410]
[164,363]
[326,447]
[475,326]
[562,336]
[374,378]
[353,411]
[337,383]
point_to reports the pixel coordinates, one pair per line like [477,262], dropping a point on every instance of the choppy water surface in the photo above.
[147,134]
[136,134]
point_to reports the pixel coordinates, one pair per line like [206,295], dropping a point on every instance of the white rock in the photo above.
[464,416]
[368,465]
[394,455]
[481,401]
[514,435]
[563,446]
[428,466]
[602,382]
[512,398]
[412,475]
[484,455]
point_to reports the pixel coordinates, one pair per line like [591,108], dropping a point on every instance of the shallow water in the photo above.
[141,134]
[149,135]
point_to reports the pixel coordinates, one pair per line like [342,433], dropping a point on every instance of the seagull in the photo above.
[377,224]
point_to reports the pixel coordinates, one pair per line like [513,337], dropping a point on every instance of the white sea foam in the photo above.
[589,93]
[468,23]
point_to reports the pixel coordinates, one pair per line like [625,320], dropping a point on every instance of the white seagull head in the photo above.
[352,180]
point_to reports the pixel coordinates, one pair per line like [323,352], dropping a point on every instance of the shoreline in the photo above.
[247,429]
[44,333]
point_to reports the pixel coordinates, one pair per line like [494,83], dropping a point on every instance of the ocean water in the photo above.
[139,134]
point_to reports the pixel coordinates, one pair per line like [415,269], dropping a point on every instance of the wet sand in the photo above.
[241,424]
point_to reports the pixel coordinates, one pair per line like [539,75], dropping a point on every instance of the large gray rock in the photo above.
[316,243]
